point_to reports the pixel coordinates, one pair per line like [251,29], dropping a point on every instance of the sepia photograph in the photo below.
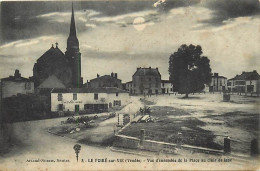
[130,85]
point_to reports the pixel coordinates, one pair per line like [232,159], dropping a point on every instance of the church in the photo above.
[54,69]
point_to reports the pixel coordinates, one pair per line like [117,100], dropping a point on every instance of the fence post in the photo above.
[254,147]
[227,147]
[142,136]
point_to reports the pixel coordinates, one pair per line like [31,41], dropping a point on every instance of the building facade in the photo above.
[146,81]
[129,87]
[13,85]
[65,67]
[217,84]
[88,99]
[166,86]
[247,82]
[105,81]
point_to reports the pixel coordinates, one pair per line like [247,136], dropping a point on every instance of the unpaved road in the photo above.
[33,142]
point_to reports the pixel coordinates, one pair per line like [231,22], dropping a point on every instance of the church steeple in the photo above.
[72,42]
[72,24]
[73,54]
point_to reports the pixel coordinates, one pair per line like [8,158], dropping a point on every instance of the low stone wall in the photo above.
[149,145]
[157,146]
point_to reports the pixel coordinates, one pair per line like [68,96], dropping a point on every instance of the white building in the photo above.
[217,84]
[13,85]
[247,82]
[88,99]
[166,86]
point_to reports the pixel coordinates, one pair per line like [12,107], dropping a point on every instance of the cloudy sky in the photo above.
[119,36]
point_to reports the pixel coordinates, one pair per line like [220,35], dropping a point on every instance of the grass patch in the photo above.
[239,119]
[166,128]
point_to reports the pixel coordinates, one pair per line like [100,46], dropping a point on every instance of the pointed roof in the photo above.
[107,90]
[72,23]
[51,53]
[52,82]
[248,76]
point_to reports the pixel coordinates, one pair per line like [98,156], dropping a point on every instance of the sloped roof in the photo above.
[52,82]
[247,76]
[51,53]
[214,76]
[89,90]
[16,79]
[105,77]
[147,72]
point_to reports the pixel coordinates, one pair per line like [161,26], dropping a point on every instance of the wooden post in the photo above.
[142,136]
[227,147]
[254,147]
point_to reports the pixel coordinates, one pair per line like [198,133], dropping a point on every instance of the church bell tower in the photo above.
[73,54]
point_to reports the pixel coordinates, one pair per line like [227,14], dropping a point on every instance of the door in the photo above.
[76,108]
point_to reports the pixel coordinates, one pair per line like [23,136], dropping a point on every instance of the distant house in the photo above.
[87,99]
[105,81]
[166,86]
[247,82]
[129,87]
[146,81]
[13,85]
[218,84]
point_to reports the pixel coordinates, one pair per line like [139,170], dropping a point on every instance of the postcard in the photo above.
[130,85]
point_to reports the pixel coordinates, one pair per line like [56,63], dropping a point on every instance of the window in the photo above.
[74,96]
[59,97]
[163,84]
[95,96]
[116,93]
[60,107]
[240,83]
[117,102]
[250,88]
[27,86]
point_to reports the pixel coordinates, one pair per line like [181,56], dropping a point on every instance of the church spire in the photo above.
[72,23]
[72,42]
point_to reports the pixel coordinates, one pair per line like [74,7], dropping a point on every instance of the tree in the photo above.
[189,70]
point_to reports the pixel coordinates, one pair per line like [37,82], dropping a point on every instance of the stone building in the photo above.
[87,99]
[105,81]
[146,81]
[13,85]
[54,69]
[247,82]
[129,87]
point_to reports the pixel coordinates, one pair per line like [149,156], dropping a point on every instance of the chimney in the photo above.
[112,74]
[17,73]
[157,68]
[115,75]
[149,67]
[254,71]
[138,68]
[97,75]
[215,74]
[243,72]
